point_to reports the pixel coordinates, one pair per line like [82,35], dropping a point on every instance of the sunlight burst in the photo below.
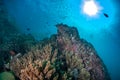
[90,8]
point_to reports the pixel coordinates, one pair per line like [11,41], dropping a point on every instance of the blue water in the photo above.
[41,16]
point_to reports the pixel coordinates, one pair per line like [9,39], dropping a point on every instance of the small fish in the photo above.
[28,29]
[106,15]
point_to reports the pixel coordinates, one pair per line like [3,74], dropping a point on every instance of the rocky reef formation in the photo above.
[64,56]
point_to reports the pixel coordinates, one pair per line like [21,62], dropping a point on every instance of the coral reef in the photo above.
[64,56]
[20,43]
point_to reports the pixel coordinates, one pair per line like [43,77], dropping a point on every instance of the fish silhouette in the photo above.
[106,15]
[28,29]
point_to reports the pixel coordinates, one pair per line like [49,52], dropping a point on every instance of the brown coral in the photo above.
[36,71]
[35,60]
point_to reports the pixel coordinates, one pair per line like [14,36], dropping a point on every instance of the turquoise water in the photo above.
[41,16]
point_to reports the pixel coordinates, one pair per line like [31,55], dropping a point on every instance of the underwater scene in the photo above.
[59,40]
